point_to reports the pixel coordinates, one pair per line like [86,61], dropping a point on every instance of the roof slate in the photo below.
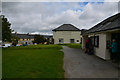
[66,27]
[110,23]
[24,36]
[29,36]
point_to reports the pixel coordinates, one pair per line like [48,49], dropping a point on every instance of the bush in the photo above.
[72,45]
[40,46]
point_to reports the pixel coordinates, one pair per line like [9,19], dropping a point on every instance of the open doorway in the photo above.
[116,36]
[72,41]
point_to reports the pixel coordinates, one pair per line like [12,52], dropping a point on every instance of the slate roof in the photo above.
[24,36]
[47,36]
[110,23]
[83,31]
[29,36]
[66,27]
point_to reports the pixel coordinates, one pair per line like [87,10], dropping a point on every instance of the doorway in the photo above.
[61,40]
[116,36]
[71,40]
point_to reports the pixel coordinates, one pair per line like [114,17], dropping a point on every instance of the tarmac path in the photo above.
[77,64]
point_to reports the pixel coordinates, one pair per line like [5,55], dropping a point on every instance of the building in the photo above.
[102,35]
[29,38]
[49,39]
[24,38]
[66,33]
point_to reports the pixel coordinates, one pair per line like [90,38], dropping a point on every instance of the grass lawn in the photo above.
[72,45]
[40,61]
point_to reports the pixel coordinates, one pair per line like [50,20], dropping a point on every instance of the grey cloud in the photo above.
[38,17]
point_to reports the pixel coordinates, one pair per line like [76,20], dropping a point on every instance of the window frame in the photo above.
[96,41]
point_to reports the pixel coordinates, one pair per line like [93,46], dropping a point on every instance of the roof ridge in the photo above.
[112,19]
[66,27]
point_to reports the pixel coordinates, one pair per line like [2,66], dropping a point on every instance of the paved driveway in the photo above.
[77,64]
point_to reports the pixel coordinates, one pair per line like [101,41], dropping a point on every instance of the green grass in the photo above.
[38,47]
[72,45]
[41,61]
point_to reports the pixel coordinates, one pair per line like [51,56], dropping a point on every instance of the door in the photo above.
[116,36]
[61,40]
[72,40]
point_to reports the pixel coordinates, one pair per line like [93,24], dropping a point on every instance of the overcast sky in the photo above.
[42,17]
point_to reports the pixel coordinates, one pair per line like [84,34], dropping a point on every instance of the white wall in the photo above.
[66,35]
[83,41]
[108,37]
[102,51]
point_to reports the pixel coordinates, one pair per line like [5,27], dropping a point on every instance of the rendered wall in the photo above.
[100,51]
[66,35]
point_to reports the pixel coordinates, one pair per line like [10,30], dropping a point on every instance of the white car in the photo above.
[18,45]
[6,45]
[35,43]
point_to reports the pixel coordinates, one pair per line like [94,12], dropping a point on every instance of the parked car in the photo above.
[35,43]
[18,45]
[5,45]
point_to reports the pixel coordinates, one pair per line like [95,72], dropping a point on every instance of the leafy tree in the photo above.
[39,39]
[6,31]
[14,40]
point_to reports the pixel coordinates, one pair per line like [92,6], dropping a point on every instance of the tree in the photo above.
[14,40]
[6,31]
[39,39]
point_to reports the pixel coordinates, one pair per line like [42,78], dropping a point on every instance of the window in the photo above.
[71,40]
[96,41]
[61,40]
[77,40]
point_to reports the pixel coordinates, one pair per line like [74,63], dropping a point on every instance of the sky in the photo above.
[43,17]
